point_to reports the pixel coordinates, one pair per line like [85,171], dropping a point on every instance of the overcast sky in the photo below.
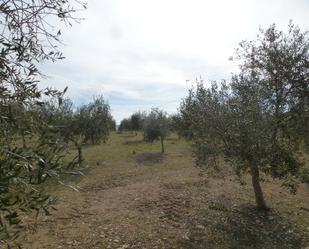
[146,53]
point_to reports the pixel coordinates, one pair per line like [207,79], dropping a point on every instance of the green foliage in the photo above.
[90,123]
[258,121]
[180,125]
[26,39]
[125,125]
[156,126]
[112,124]
[94,120]
[24,168]
[217,206]
[137,121]
[280,62]
[134,123]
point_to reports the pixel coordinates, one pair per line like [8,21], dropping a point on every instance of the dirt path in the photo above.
[134,198]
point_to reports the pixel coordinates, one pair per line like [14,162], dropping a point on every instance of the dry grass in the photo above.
[168,205]
[150,158]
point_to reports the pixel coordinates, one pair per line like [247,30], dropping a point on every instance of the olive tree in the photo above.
[281,62]
[27,37]
[258,121]
[112,124]
[95,118]
[67,122]
[22,124]
[89,123]
[125,125]
[137,121]
[156,126]
[180,125]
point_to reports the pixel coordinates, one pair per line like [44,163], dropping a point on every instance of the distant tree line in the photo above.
[155,125]
[133,123]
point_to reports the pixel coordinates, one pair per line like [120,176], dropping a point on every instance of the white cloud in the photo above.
[140,53]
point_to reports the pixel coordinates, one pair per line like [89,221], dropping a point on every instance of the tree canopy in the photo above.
[26,39]
[259,120]
[157,126]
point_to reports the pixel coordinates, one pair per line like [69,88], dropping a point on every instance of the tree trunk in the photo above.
[259,198]
[92,139]
[80,155]
[23,139]
[162,145]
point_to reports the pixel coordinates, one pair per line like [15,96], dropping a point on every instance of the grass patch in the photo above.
[217,206]
[172,205]
[149,158]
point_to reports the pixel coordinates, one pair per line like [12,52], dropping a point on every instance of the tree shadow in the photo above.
[244,227]
[149,158]
[127,135]
[172,139]
[133,142]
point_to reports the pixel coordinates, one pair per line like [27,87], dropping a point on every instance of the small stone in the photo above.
[200,227]
[186,237]
[124,247]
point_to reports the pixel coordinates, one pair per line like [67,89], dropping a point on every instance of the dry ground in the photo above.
[134,197]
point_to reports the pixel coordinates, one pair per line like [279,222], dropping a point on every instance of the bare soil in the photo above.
[171,204]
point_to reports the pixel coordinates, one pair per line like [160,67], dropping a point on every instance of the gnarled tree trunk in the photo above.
[23,139]
[79,148]
[162,144]
[80,155]
[259,197]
